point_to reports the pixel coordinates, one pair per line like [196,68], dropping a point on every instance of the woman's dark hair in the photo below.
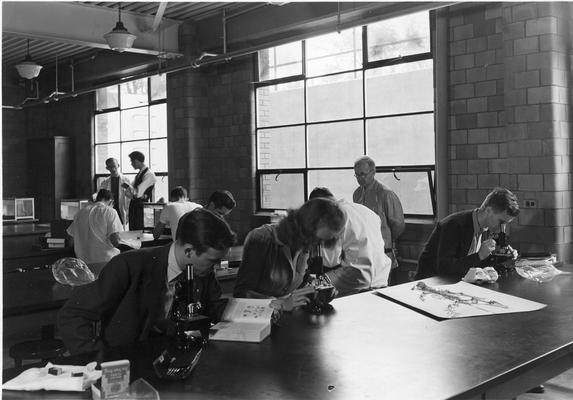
[203,230]
[301,224]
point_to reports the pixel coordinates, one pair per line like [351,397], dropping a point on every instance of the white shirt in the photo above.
[91,229]
[148,180]
[361,246]
[123,201]
[172,213]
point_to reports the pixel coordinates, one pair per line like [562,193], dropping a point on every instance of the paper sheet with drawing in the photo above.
[458,300]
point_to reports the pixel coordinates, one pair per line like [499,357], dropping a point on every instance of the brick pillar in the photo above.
[537,59]
[509,120]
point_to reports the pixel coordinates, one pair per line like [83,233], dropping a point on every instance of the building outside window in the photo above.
[133,116]
[323,102]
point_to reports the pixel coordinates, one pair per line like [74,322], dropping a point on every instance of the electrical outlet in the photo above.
[531,203]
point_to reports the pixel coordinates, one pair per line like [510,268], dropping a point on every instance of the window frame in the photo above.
[118,108]
[366,66]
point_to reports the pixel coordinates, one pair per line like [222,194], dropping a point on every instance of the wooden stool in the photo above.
[44,349]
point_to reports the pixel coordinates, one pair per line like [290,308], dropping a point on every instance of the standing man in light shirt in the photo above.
[171,214]
[384,202]
[95,230]
[114,183]
[141,191]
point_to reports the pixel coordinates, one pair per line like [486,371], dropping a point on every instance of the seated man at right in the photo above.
[464,239]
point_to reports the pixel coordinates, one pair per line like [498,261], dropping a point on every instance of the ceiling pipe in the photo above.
[199,61]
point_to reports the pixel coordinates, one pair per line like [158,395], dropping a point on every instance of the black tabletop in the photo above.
[371,347]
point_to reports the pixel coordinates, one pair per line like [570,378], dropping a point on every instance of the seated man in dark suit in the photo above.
[133,295]
[464,239]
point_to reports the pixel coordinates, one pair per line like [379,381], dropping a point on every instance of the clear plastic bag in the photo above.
[537,270]
[72,271]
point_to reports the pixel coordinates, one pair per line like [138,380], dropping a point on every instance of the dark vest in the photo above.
[148,194]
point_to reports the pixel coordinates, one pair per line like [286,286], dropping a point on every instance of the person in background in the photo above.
[464,239]
[384,202]
[132,297]
[275,255]
[358,258]
[95,230]
[221,202]
[178,205]
[141,191]
[115,184]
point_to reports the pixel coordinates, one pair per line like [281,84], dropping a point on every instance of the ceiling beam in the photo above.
[85,25]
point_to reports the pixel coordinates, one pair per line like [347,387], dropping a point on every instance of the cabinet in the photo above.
[51,174]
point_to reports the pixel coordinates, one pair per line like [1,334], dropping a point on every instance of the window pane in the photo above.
[280,61]
[401,36]
[134,124]
[335,97]
[158,84]
[134,93]
[107,98]
[162,189]
[413,190]
[400,89]
[158,155]
[281,147]
[334,52]
[335,145]
[280,104]
[340,182]
[127,148]
[282,191]
[407,140]
[102,153]
[107,127]
[158,120]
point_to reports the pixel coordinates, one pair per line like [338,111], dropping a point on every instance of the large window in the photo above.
[133,116]
[323,102]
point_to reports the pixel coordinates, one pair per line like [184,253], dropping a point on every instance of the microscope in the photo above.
[503,251]
[179,359]
[315,277]
[186,314]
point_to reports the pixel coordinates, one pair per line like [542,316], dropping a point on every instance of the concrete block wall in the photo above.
[210,114]
[510,115]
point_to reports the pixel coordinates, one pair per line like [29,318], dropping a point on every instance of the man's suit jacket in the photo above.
[446,252]
[126,301]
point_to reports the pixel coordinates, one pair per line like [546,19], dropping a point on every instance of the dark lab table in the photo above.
[371,347]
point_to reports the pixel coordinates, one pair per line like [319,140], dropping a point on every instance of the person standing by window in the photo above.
[114,183]
[384,202]
[141,191]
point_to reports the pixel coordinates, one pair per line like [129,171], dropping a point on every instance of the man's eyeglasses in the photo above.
[362,174]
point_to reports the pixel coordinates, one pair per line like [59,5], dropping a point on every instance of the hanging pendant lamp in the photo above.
[119,39]
[28,69]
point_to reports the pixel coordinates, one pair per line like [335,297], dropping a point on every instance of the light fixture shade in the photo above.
[28,69]
[119,39]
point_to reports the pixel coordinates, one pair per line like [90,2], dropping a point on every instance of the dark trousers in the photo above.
[136,215]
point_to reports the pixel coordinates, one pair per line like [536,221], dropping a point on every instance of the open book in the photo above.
[244,320]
